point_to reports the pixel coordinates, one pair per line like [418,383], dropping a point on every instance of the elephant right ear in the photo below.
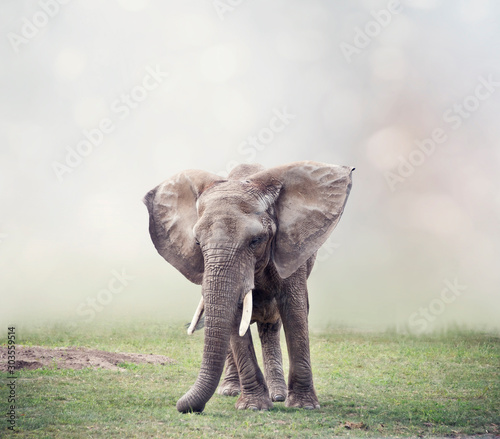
[172,216]
[310,201]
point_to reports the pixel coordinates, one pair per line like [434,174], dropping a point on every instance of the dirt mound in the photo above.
[36,357]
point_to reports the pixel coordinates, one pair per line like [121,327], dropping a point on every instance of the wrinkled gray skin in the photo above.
[257,231]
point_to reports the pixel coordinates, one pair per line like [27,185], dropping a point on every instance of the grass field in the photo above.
[369,385]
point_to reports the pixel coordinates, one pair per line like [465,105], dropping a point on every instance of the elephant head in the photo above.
[220,232]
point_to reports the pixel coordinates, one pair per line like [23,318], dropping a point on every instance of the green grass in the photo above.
[386,383]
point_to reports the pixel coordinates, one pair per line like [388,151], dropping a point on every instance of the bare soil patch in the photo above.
[36,357]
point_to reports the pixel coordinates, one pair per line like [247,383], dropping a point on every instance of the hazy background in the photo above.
[230,68]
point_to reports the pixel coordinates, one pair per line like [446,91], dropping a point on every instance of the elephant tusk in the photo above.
[246,316]
[197,316]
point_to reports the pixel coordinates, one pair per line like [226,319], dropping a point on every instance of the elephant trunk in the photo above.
[222,293]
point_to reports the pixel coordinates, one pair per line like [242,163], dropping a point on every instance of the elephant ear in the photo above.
[308,206]
[172,216]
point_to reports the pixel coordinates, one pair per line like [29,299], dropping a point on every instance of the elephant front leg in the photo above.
[231,384]
[273,363]
[294,308]
[254,390]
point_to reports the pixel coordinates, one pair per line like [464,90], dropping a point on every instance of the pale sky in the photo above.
[103,100]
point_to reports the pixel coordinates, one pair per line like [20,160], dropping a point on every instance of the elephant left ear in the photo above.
[310,202]
[172,216]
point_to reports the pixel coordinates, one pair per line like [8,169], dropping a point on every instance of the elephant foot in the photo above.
[277,393]
[254,403]
[229,388]
[190,404]
[308,401]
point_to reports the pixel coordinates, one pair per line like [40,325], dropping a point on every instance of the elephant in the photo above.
[250,241]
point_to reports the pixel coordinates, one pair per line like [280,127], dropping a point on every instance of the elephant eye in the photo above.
[256,240]
[196,241]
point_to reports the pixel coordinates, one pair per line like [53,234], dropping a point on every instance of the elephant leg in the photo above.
[273,363]
[254,390]
[294,309]
[231,384]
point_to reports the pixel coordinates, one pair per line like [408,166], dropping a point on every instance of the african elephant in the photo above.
[250,241]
